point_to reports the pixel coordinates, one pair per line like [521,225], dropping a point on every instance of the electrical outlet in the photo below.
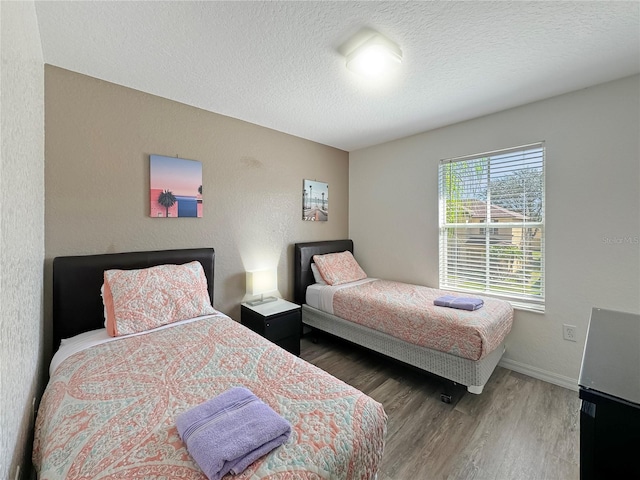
[569,332]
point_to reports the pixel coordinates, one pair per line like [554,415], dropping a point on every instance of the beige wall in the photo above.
[592,203]
[21,232]
[98,140]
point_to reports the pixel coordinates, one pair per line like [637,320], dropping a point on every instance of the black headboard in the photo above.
[77,304]
[303,255]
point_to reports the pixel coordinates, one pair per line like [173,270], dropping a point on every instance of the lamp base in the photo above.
[262,300]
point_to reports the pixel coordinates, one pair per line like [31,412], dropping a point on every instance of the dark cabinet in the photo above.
[610,392]
[279,322]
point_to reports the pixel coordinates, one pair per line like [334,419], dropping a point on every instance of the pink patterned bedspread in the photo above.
[109,411]
[407,312]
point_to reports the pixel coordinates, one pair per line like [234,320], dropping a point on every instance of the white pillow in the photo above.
[104,307]
[316,275]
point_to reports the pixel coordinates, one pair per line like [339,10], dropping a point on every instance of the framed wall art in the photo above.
[175,187]
[315,201]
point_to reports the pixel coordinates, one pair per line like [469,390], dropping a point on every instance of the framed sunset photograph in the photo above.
[175,187]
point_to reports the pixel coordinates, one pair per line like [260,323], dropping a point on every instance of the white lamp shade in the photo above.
[375,57]
[262,281]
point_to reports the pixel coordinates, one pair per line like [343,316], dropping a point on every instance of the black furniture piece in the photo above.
[279,322]
[610,392]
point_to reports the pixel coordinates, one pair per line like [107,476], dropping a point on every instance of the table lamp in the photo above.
[260,282]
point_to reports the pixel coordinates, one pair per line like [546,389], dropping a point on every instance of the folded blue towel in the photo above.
[463,303]
[229,432]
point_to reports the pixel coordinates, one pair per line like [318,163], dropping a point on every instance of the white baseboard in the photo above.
[540,374]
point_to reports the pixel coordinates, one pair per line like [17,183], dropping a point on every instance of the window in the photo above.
[492,225]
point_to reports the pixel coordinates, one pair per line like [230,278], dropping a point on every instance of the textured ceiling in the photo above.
[278,64]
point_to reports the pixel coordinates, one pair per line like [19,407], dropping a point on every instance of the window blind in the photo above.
[492,224]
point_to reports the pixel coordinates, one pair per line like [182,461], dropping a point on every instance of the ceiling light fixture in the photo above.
[375,57]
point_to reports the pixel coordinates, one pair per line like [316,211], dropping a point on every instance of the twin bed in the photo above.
[400,321]
[109,410]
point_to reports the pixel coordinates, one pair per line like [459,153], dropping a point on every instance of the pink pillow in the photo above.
[139,300]
[338,268]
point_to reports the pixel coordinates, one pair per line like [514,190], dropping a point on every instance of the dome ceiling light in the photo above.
[375,57]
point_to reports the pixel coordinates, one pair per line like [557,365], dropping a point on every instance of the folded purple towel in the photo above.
[229,432]
[463,303]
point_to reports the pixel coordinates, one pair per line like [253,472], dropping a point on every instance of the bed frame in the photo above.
[77,302]
[470,373]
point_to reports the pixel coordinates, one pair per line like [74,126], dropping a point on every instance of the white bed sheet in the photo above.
[69,346]
[321,296]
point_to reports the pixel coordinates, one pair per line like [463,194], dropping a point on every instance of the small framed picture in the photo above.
[315,201]
[175,187]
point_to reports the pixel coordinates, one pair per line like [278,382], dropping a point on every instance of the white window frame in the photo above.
[466,262]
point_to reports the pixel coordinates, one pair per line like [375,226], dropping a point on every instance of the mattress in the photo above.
[109,410]
[407,312]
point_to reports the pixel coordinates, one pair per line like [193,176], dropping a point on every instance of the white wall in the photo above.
[592,204]
[21,231]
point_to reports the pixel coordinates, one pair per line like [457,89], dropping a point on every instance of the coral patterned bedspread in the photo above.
[109,411]
[407,312]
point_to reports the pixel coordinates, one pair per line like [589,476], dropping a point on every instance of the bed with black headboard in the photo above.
[110,407]
[471,373]
[77,303]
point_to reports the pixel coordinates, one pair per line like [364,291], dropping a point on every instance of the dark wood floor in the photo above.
[518,428]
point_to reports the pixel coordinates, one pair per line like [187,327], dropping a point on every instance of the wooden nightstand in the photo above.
[277,321]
